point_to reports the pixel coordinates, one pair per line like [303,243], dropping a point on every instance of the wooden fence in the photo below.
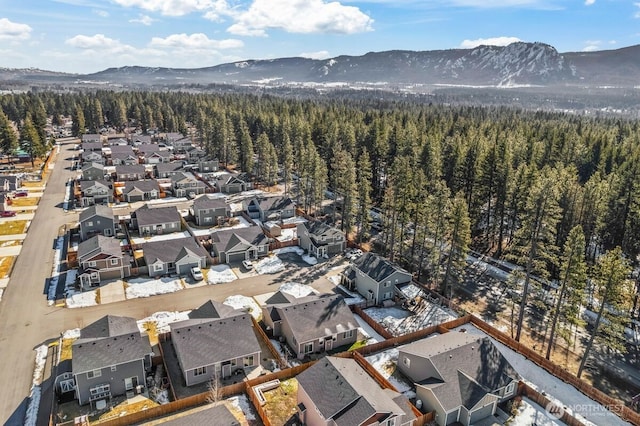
[376,327]
[281,362]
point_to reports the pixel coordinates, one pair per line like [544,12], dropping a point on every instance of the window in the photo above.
[100,389]
[510,389]
[406,361]
[248,361]
[387,295]
[93,374]
[158,267]
[348,334]
[307,348]
[92,264]
[113,368]
[200,371]
[114,261]
[234,362]
[89,223]
[390,422]
[387,284]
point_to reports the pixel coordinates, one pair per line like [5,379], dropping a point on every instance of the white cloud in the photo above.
[321,54]
[13,31]
[101,13]
[589,2]
[590,48]
[637,14]
[100,44]
[300,16]
[174,7]
[143,19]
[197,41]
[492,41]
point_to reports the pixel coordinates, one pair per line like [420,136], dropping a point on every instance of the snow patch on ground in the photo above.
[269,265]
[162,397]
[55,269]
[400,321]
[354,298]
[81,300]
[385,362]
[299,251]
[163,319]
[296,289]
[242,403]
[34,397]
[73,333]
[142,287]
[369,333]
[309,259]
[219,274]
[285,353]
[530,413]
[245,303]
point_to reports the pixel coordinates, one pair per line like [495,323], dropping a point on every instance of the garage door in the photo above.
[235,257]
[481,413]
[184,269]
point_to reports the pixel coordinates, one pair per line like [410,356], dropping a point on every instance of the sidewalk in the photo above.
[13,237]
[10,251]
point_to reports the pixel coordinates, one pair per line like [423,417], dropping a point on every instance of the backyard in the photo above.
[12,227]
[281,403]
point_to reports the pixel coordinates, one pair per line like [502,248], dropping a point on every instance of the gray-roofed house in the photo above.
[156,220]
[312,323]
[141,140]
[216,339]
[148,148]
[229,183]
[374,277]
[166,170]
[123,155]
[92,171]
[204,415]
[134,172]
[176,257]
[171,137]
[10,183]
[97,219]
[271,208]
[92,157]
[156,157]
[210,211]
[182,144]
[110,358]
[208,166]
[101,258]
[88,146]
[185,184]
[91,137]
[236,245]
[320,240]
[460,376]
[141,190]
[338,392]
[95,192]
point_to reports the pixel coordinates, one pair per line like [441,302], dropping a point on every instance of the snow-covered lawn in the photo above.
[80,300]
[243,302]
[530,413]
[354,298]
[162,237]
[555,389]
[291,359]
[55,270]
[385,362]
[142,287]
[269,265]
[299,251]
[162,320]
[368,332]
[296,289]
[219,274]
[34,397]
[400,321]
[241,402]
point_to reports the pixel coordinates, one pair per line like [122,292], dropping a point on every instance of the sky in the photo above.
[85,36]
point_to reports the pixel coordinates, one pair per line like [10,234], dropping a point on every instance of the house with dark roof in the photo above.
[174,257]
[338,392]
[208,166]
[133,172]
[374,277]
[166,170]
[232,183]
[95,192]
[141,140]
[215,340]
[210,211]
[460,376]
[203,415]
[182,144]
[148,148]
[156,220]
[110,358]
[171,137]
[123,156]
[236,245]
[101,258]
[270,208]
[10,183]
[195,153]
[140,190]
[185,184]
[92,171]
[311,324]
[320,240]
[156,157]
[97,219]
[91,138]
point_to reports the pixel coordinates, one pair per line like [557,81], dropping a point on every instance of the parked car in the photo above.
[247,265]
[20,194]
[196,273]
[7,213]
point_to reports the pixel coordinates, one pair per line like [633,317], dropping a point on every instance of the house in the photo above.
[271,208]
[374,277]
[141,140]
[215,340]
[95,192]
[312,323]
[195,153]
[460,376]
[93,171]
[185,184]
[101,258]
[92,157]
[141,190]
[117,141]
[91,137]
[157,157]
[9,183]
[236,245]
[134,172]
[123,156]
[202,416]
[97,220]
[208,166]
[320,239]
[166,170]
[210,211]
[178,257]
[337,391]
[232,183]
[171,137]
[110,358]
[182,144]
[157,220]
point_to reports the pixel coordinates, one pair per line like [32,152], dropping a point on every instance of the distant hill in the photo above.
[518,64]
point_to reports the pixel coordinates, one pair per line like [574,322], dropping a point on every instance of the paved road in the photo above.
[26,321]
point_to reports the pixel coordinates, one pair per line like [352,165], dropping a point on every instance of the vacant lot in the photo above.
[25,201]
[5,265]
[12,227]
